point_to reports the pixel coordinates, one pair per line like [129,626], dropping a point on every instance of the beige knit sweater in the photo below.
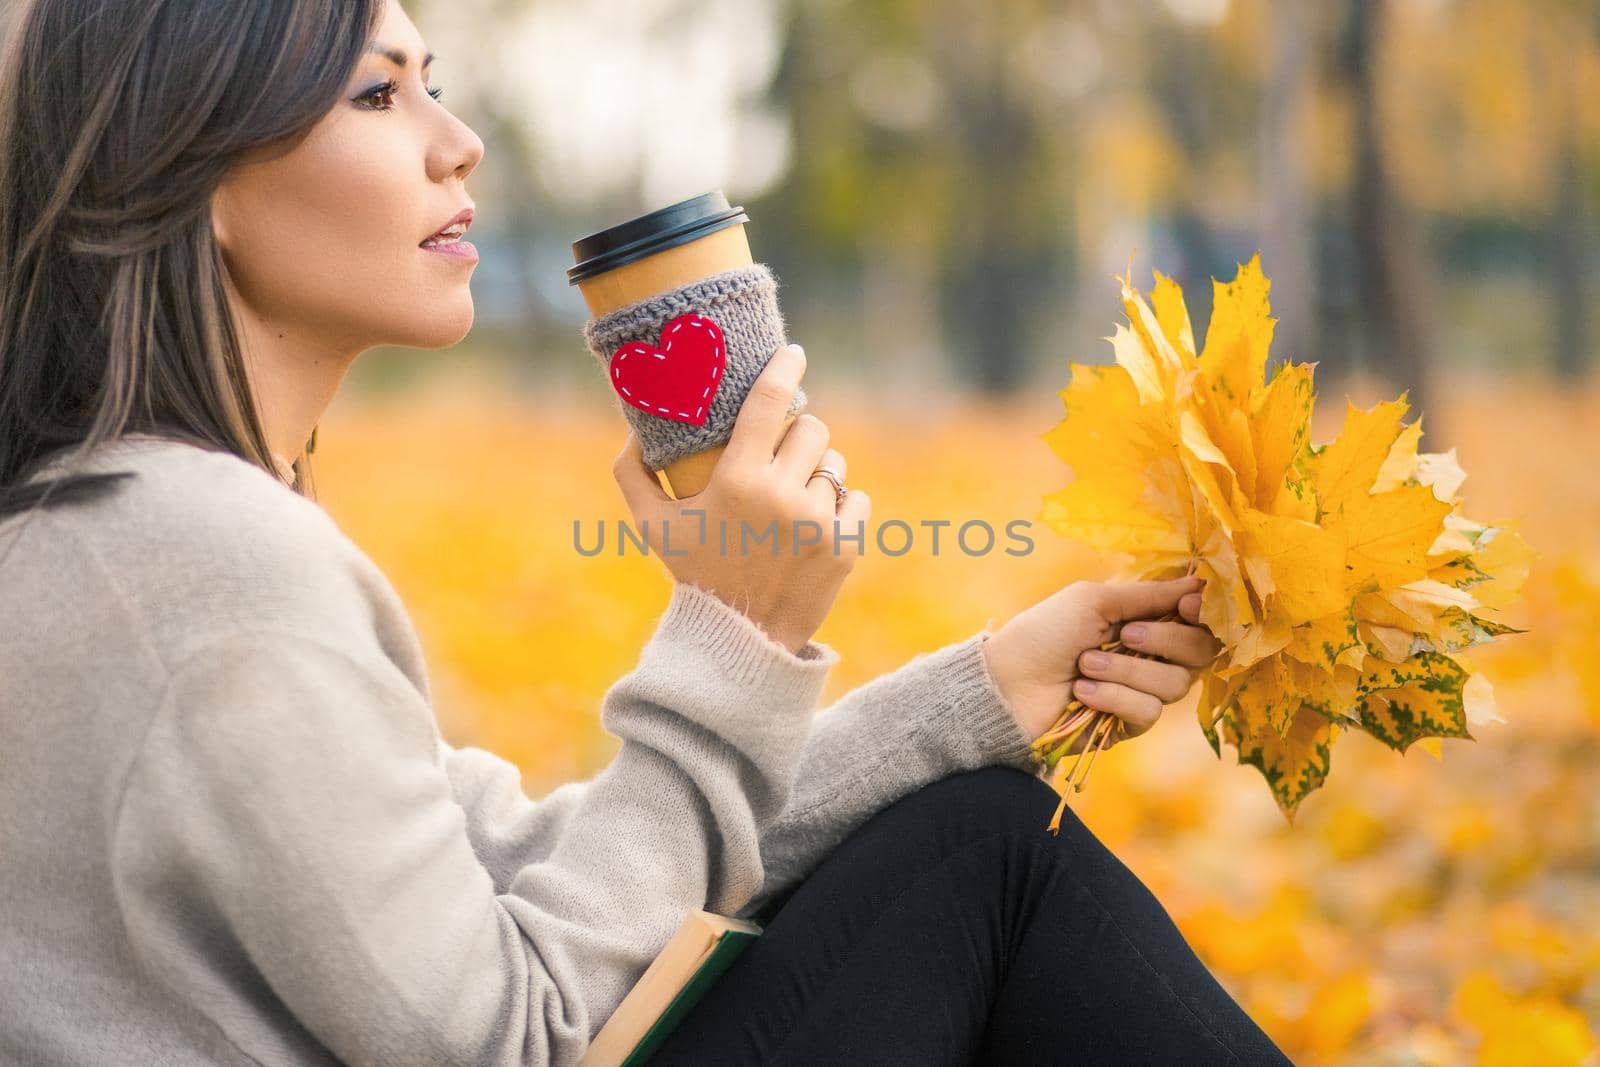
[230,831]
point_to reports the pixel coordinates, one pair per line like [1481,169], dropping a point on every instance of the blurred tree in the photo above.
[928,180]
[1389,259]
[1183,80]
[1567,233]
[1490,118]
[952,169]
[1287,208]
[997,265]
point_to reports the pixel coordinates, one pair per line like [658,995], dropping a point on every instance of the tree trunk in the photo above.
[1567,234]
[993,280]
[1389,269]
[1183,70]
[1286,212]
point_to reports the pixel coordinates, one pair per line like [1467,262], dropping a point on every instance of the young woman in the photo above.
[229,829]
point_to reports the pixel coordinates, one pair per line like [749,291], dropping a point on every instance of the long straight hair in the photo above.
[118,121]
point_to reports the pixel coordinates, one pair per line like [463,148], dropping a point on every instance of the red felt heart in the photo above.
[678,380]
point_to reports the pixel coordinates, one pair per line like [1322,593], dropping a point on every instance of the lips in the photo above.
[455,228]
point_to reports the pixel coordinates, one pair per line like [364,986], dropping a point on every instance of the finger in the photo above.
[1138,711]
[1166,682]
[852,519]
[639,484]
[1120,601]
[1177,642]
[800,451]
[819,486]
[1189,607]
[756,429]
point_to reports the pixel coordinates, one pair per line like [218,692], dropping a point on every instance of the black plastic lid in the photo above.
[677,224]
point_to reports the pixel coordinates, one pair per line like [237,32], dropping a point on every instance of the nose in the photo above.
[456,152]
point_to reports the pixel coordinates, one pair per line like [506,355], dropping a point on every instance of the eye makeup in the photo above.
[388,89]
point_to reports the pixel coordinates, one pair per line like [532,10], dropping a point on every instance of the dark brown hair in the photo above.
[118,120]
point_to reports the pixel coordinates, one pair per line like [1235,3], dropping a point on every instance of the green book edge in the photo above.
[727,949]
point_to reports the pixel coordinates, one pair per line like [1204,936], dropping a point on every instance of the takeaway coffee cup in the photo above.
[683,321]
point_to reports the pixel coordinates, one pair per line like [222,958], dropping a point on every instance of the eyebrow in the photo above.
[396,55]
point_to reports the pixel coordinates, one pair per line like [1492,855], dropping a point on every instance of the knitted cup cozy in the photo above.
[743,302]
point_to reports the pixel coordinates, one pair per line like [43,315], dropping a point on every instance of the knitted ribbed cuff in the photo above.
[748,656]
[743,302]
[989,714]
[710,662]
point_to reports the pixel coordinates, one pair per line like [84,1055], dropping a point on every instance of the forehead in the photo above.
[397,31]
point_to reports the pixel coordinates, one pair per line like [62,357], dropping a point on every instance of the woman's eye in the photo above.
[373,96]
[387,90]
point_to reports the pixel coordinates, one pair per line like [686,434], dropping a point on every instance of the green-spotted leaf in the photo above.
[1325,642]
[1460,629]
[1403,702]
[1293,764]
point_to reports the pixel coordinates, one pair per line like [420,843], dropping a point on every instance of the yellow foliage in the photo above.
[1406,875]
[1519,1030]
[1340,579]
[1338,1010]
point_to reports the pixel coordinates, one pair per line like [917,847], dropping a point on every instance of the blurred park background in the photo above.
[945,190]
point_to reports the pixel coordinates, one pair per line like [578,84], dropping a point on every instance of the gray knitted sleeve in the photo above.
[743,302]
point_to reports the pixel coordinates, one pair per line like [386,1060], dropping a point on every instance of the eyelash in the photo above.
[389,88]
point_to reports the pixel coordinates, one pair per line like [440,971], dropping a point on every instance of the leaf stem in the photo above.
[1096,727]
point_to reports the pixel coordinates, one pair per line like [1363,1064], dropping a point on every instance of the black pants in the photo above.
[953,928]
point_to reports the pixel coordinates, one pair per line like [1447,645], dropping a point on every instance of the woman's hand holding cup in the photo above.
[761,487]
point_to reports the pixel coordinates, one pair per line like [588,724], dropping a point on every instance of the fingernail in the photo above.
[1086,686]
[1096,661]
[1133,634]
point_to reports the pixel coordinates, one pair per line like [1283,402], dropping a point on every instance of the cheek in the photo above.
[332,243]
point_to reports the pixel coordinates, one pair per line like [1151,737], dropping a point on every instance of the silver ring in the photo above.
[839,488]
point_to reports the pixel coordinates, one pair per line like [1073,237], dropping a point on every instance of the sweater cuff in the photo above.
[983,713]
[733,645]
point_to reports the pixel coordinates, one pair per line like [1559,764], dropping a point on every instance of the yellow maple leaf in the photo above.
[1419,697]
[1348,467]
[1293,763]
[1339,580]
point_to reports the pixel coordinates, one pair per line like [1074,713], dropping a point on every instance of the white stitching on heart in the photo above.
[642,348]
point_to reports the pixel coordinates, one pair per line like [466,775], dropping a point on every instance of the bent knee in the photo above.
[986,800]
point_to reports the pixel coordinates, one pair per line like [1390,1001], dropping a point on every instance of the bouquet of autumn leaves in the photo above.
[1341,580]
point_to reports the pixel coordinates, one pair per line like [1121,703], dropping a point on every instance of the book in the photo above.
[705,945]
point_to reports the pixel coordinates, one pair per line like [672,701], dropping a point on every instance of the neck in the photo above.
[294,372]
[285,468]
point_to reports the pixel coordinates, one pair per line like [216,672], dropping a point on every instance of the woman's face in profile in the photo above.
[326,240]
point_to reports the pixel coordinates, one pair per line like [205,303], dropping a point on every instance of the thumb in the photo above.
[1122,601]
[638,482]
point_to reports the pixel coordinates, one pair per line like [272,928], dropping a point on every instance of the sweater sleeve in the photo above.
[289,825]
[939,714]
[507,829]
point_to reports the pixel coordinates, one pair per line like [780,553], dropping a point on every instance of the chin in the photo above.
[449,325]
